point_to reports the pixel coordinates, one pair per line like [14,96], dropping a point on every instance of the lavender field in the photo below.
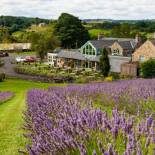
[105,119]
[4,96]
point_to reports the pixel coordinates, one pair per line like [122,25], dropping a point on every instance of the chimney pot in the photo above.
[138,38]
[154,35]
[100,36]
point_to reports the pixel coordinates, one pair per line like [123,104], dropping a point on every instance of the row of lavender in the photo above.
[4,96]
[63,120]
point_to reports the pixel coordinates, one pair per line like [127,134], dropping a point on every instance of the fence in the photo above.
[130,69]
[117,61]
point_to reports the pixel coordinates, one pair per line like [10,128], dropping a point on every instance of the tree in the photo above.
[70,31]
[104,62]
[5,37]
[122,30]
[43,43]
[148,69]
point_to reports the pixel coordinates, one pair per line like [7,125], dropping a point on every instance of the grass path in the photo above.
[11,138]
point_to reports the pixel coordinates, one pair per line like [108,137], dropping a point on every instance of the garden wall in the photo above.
[117,61]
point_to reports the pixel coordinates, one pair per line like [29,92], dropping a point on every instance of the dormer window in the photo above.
[88,50]
[115,52]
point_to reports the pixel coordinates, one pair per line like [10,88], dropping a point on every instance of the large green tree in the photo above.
[43,43]
[70,31]
[104,62]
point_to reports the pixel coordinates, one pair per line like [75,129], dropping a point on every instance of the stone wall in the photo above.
[15,46]
[147,50]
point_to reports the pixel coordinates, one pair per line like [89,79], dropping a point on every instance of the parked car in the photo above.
[20,59]
[4,54]
[30,59]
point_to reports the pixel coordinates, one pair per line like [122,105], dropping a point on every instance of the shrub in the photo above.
[115,76]
[126,77]
[72,122]
[109,79]
[148,69]
[2,77]
[104,62]
[5,96]
[1,63]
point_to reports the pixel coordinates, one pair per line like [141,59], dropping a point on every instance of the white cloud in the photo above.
[113,9]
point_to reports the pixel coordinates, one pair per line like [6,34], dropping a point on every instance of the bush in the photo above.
[2,77]
[1,63]
[124,77]
[116,76]
[104,63]
[148,69]
[108,79]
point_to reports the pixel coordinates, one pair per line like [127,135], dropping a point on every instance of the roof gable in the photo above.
[72,54]
[88,43]
[126,45]
[101,43]
[108,42]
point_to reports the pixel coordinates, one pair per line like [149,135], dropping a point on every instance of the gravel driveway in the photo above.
[8,69]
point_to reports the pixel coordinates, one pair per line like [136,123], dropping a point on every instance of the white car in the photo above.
[20,59]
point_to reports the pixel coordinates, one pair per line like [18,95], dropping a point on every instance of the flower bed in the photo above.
[60,75]
[65,120]
[4,96]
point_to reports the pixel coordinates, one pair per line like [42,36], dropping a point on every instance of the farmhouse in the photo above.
[145,52]
[88,56]
[15,47]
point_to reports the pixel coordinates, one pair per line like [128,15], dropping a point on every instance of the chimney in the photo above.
[100,36]
[154,35]
[138,39]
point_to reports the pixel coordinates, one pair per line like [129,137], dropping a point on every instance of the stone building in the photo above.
[14,47]
[88,56]
[123,48]
[145,52]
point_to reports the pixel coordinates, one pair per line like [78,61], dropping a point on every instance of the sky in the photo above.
[84,9]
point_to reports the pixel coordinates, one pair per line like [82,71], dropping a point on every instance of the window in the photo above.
[141,58]
[115,52]
[89,50]
[93,52]
[84,51]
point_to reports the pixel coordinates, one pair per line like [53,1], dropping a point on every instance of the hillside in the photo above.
[18,23]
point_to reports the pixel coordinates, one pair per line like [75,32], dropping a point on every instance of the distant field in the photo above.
[38,29]
[94,32]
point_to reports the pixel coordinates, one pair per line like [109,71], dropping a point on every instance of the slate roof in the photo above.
[72,54]
[107,42]
[102,43]
[76,55]
[126,45]
[95,59]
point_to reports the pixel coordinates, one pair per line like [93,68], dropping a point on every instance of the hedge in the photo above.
[148,69]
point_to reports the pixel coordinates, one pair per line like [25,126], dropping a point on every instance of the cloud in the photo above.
[111,9]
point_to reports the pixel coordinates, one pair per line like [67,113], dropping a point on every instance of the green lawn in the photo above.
[30,53]
[11,138]
[95,32]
